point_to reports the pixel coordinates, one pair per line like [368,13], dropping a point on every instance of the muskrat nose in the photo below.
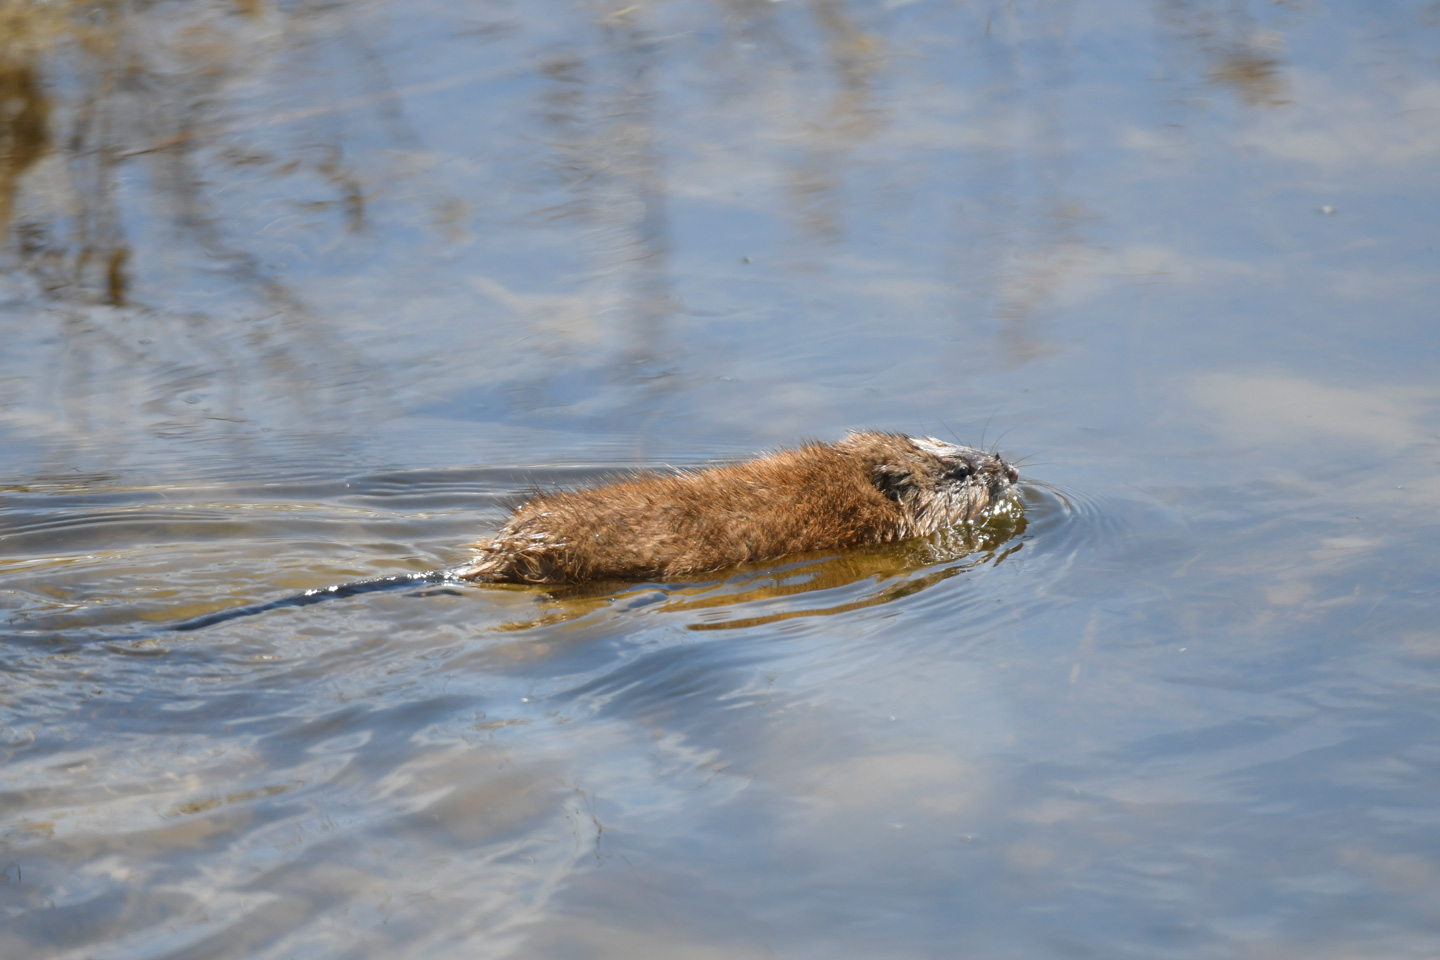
[1012,473]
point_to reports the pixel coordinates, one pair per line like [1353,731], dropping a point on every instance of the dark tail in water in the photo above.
[317,595]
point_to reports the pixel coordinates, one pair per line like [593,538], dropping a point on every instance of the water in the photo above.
[298,294]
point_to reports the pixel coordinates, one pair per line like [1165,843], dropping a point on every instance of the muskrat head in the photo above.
[938,484]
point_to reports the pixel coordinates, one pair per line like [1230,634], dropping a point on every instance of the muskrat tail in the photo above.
[320,595]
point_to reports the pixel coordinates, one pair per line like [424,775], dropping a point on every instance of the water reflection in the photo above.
[856,579]
[599,109]
[24,130]
[206,180]
[124,149]
[1240,55]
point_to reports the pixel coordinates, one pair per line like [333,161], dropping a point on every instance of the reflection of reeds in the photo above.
[29,33]
[122,120]
[139,89]
[1253,74]
[24,129]
[26,30]
[600,115]
[1238,54]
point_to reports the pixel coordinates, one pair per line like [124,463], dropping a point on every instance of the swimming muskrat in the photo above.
[869,488]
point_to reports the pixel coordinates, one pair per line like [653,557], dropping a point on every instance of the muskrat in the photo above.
[867,489]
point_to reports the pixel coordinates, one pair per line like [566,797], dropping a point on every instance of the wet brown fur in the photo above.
[869,488]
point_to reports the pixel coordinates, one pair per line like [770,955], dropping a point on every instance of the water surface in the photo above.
[293,294]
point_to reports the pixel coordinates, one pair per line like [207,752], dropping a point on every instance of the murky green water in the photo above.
[296,294]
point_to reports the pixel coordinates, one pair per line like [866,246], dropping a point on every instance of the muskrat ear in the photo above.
[891,479]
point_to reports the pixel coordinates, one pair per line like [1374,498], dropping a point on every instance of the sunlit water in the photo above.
[295,295]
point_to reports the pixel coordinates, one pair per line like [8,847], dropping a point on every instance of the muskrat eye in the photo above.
[960,471]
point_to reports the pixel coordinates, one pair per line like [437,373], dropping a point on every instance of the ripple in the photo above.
[409,517]
[1052,510]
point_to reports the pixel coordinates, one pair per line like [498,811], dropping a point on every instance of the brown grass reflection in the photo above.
[123,121]
[88,90]
[24,130]
[96,256]
[1253,74]
[1238,54]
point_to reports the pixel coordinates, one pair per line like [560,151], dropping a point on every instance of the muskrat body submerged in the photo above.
[869,488]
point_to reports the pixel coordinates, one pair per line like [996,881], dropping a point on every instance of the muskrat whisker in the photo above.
[951,430]
[995,450]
